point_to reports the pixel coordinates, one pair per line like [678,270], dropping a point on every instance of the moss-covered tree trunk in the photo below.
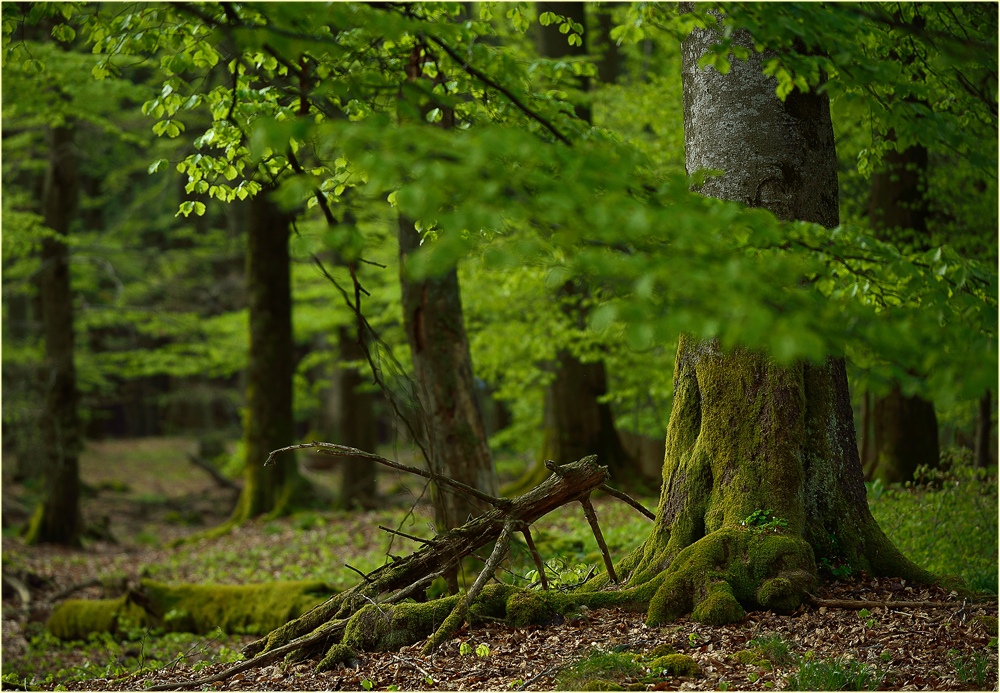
[744,434]
[58,519]
[268,423]
[906,430]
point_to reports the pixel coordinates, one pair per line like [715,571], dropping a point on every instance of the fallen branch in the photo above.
[869,604]
[217,476]
[22,590]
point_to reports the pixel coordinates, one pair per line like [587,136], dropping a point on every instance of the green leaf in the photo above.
[156,165]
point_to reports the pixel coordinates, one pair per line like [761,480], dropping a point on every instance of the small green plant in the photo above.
[692,639]
[516,683]
[836,674]
[465,649]
[761,522]
[723,686]
[482,650]
[598,665]
[975,670]
[367,685]
[774,648]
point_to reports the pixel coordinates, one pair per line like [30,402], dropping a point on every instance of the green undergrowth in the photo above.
[131,650]
[944,521]
[837,674]
[599,670]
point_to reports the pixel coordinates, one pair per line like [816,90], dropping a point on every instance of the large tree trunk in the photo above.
[744,434]
[906,430]
[57,519]
[432,315]
[269,423]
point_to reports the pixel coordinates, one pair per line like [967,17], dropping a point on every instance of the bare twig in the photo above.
[344,451]
[526,531]
[628,499]
[550,670]
[588,511]
[366,578]
[403,534]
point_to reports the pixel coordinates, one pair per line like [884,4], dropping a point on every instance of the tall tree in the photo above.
[269,422]
[453,429]
[576,423]
[745,435]
[452,425]
[905,426]
[58,518]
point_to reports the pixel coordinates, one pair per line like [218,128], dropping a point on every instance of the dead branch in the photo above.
[217,477]
[22,590]
[62,594]
[628,499]
[404,577]
[867,604]
[588,511]
[539,564]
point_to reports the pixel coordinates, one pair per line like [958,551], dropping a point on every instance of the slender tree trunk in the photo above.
[268,423]
[744,434]
[577,424]
[906,429]
[610,68]
[357,427]
[984,429]
[58,519]
[432,315]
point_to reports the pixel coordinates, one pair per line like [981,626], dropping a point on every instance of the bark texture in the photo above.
[269,423]
[744,434]
[435,328]
[906,430]
[57,519]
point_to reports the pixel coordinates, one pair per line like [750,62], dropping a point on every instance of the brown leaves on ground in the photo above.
[917,645]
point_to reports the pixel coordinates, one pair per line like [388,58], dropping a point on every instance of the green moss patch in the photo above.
[732,570]
[676,665]
[388,627]
[191,608]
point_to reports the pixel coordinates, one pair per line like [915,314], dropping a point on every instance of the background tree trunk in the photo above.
[357,427]
[57,519]
[906,435]
[906,430]
[269,423]
[610,68]
[984,430]
[577,424]
[432,315]
[744,434]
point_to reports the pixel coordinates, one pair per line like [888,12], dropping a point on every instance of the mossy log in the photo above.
[190,608]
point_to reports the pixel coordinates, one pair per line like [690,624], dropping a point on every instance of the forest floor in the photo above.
[946,647]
